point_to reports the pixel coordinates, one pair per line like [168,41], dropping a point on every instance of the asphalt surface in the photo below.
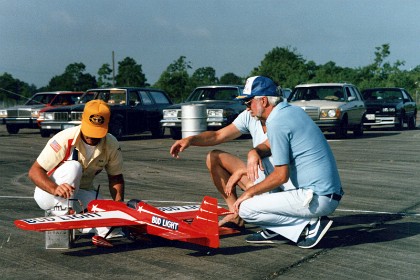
[375,234]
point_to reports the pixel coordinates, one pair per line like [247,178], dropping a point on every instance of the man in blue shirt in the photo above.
[299,151]
[226,170]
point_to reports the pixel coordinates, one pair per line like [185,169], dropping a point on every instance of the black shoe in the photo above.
[315,233]
[265,236]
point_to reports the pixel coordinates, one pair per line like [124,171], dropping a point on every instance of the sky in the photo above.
[39,39]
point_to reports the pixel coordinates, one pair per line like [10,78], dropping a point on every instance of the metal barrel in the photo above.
[193,119]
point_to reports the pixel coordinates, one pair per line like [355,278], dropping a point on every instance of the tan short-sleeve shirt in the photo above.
[107,155]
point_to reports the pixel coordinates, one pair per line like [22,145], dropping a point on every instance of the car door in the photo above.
[147,106]
[135,113]
[355,105]
[408,103]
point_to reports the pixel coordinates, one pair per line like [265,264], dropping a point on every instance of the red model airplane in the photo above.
[139,217]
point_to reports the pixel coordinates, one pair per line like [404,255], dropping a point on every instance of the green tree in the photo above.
[73,78]
[382,73]
[13,91]
[130,74]
[105,80]
[285,66]
[331,73]
[174,80]
[203,76]
[231,79]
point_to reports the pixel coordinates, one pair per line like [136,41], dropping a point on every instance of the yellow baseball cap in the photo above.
[95,119]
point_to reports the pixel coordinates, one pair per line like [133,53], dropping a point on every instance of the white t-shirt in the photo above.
[246,124]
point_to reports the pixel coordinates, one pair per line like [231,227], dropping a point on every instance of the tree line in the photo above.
[284,65]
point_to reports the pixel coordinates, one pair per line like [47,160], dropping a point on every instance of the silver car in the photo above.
[336,107]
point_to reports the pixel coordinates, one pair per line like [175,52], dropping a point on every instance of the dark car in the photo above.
[133,110]
[25,116]
[389,106]
[221,106]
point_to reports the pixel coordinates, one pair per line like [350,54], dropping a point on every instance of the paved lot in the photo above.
[375,234]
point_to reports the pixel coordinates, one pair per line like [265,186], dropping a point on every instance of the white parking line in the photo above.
[195,202]
[378,212]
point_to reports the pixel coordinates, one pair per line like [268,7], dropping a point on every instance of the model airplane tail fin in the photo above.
[207,220]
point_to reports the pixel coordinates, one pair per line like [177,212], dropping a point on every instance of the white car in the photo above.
[336,107]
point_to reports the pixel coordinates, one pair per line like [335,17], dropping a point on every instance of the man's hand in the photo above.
[246,195]
[233,180]
[64,190]
[179,146]
[254,163]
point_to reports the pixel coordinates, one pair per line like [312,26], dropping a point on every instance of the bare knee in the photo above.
[213,158]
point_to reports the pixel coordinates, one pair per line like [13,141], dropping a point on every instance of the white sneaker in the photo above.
[102,231]
[116,233]
[87,230]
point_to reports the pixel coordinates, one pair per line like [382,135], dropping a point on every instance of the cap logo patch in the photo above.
[96,119]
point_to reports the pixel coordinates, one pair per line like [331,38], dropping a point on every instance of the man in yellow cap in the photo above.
[69,162]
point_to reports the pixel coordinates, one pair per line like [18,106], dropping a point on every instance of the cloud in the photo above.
[182,30]
[63,18]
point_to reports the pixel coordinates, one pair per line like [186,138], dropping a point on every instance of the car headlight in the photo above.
[330,113]
[48,116]
[35,113]
[3,113]
[170,113]
[215,113]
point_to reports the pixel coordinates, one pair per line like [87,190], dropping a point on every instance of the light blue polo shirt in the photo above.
[246,124]
[297,141]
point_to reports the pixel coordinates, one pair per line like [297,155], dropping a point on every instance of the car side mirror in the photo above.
[351,98]
[132,103]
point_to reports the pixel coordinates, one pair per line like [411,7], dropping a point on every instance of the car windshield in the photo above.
[202,94]
[385,95]
[66,99]
[112,97]
[330,93]
[41,99]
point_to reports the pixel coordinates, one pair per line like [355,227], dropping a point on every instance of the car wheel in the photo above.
[358,130]
[412,122]
[116,129]
[45,133]
[176,133]
[12,129]
[341,131]
[158,131]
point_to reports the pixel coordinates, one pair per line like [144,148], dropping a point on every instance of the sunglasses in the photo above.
[248,103]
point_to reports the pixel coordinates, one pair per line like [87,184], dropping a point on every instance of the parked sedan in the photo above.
[25,116]
[389,106]
[221,106]
[336,107]
[133,110]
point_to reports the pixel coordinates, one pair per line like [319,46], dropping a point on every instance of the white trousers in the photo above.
[284,212]
[69,172]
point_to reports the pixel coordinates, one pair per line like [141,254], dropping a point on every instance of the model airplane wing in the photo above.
[140,216]
[189,212]
[113,218]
